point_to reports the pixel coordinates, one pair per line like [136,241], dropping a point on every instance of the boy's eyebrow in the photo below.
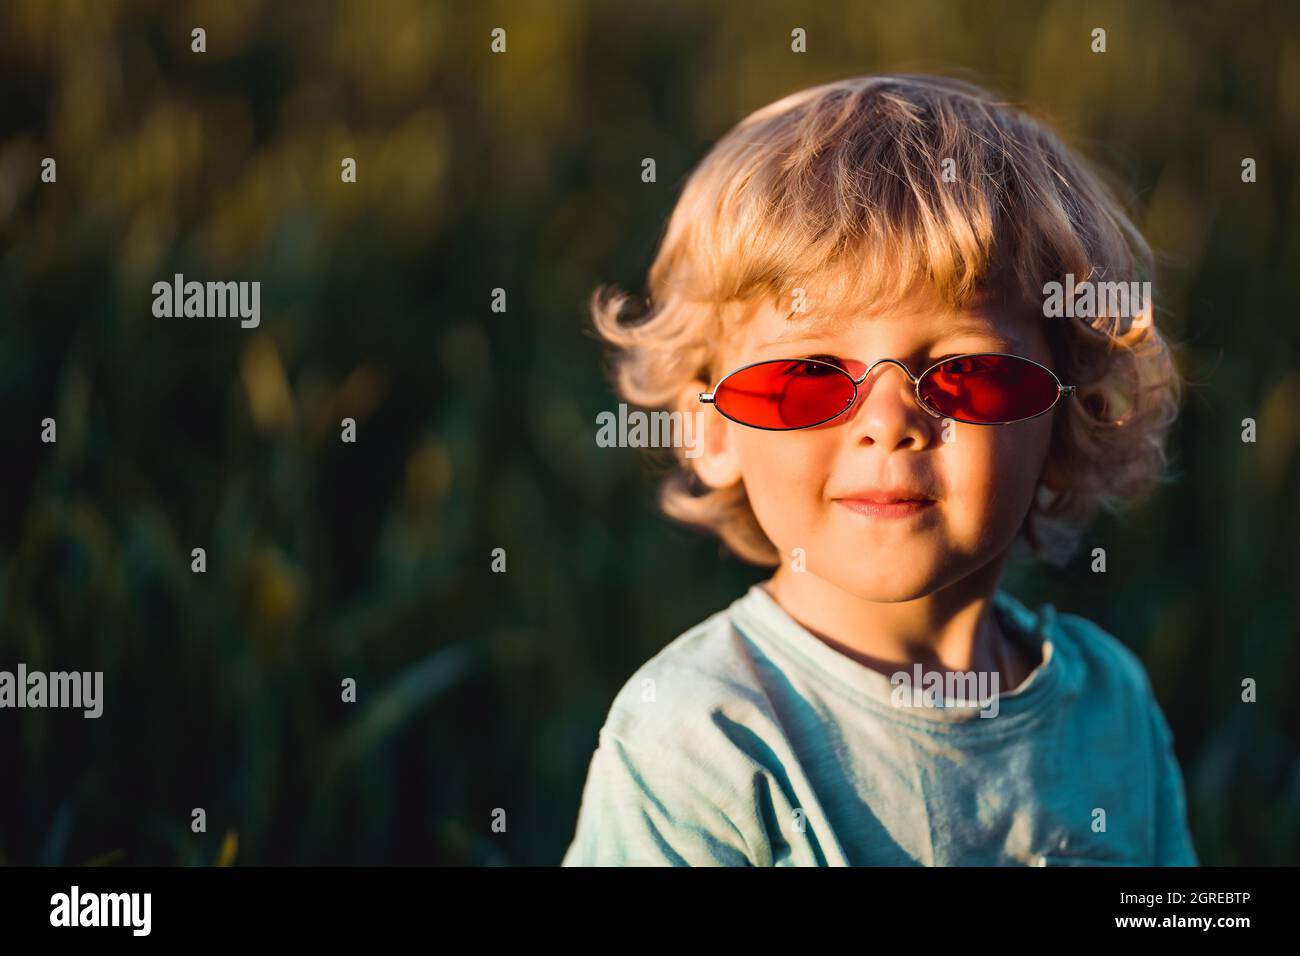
[807,327]
[819,325]
[974,328]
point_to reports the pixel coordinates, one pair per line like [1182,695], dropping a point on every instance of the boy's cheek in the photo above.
[1009,454]
[785,489]
[992,480]
[780,460]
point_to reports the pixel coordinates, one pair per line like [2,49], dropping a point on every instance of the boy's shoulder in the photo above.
[701,681]
[1103,662]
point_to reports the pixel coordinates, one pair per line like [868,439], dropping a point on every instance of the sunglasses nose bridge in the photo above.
[878,362]
[912,380]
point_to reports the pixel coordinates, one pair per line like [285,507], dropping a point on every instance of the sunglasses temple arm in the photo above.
[708,396]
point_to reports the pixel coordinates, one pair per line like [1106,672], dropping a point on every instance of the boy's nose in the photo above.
[886,412]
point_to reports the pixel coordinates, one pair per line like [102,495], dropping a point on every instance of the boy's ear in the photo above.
[712,452]
[1053,477]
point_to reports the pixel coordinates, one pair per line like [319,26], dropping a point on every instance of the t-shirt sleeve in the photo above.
[1173,840]
[645,807]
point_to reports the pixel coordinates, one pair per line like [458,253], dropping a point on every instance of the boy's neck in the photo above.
[953,629]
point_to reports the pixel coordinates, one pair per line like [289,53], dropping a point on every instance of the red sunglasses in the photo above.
[981,388]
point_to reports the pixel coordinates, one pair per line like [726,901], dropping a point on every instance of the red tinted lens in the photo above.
[787,393]
[988,389]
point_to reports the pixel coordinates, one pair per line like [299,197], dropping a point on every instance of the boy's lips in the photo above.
[890,503]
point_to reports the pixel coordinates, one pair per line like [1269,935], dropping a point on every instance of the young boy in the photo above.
[856,279]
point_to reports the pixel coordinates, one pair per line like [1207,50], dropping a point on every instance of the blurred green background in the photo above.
[476,690]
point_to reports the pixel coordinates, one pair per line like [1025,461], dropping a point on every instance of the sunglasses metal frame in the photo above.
[1061,390]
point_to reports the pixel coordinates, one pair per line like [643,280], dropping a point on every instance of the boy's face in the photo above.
[808,488]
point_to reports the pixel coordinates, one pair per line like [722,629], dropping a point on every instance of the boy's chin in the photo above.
[893,578]
[888,591]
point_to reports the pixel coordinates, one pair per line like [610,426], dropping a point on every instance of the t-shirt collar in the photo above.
[760,617]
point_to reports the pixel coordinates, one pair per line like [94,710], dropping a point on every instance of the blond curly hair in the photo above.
[852,179]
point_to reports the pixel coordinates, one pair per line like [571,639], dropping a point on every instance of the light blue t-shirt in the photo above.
[748,741]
